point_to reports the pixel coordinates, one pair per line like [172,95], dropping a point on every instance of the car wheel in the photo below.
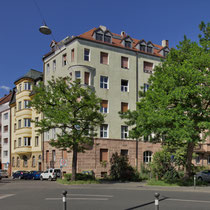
[200,179]
[50,178]
[41,178]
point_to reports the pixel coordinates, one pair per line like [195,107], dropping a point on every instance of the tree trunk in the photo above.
[188,171]
[74,164]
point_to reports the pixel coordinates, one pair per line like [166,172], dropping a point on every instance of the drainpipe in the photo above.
[137,95]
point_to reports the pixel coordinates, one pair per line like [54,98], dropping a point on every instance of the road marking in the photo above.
[91,199]
[195,201]
[6,196]
[89,195]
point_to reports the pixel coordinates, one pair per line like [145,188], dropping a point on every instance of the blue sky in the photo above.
[22,46]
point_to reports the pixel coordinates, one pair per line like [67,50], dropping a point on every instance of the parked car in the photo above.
[4,173]
[51,174]
[203,175]
[35,175]
[18,174]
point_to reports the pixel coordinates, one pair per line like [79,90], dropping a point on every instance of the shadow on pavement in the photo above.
[146,204]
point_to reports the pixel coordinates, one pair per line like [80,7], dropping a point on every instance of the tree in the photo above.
[72,110]
[176,106]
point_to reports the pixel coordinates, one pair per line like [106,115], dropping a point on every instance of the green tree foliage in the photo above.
[121,170]
[70,108]
[176,106]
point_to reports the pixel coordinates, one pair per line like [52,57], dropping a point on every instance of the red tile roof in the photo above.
[5,99]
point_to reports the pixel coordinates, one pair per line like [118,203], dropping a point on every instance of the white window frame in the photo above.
[86,55]
[147,157]
[103,83]
[104,131]
[124,132]
[123,87]
[27,122]
[27,141]
[26,104]
[76,78]
[103,110]
[27,85]
[5,153]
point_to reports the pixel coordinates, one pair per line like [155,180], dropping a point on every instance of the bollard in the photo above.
[194,181]
[157,201]
[64,199]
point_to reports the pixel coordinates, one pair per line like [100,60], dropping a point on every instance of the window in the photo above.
[64,59]
[147,138]
[27,86]
[15,127]
[36,141]
[5,153]
[77,75]
[13,161]
[53,155]
[47,156]
[86,54]
[147,156]
[27,141]
[124,152]
[18,162]
[5,128]
[5,140]
[19,142]
[104,82]
[26,104]
[25,161]
[6,116]
[19,105]
[87,78]
[146,87]
[148,67]
[124,107]
[104,131]
[104,106]
[149,49]
[103,58]
[99,36]
[54,65]
[127,44]
[15,110]
[72,55]
[124,62]
[33,161]
[15,144]
[197,159]
[103,155]
[19,124]
[142,47]
[165,53]
[48,68]
[124,85]
[124,132]
[107,38]
[53,133]
[20,87]
[36,119]
[64,154]
[27,122]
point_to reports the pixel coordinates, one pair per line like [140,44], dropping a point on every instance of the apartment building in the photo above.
[26,144]
[116,67]
[5,132]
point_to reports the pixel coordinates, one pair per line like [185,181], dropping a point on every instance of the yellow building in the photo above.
[26,144]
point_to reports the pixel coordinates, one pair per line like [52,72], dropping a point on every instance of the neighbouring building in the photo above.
[5,132]
[116,67]
[26,143]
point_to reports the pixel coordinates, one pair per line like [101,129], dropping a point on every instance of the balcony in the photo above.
[23,150]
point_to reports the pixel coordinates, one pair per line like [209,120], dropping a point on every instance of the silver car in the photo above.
[4,173]
[203,175]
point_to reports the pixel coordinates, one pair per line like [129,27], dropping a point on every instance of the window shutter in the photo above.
[148,66]
[104,155]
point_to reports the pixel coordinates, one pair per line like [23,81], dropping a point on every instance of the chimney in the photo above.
[164,43]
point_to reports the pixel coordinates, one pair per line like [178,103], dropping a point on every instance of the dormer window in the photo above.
[107,38]
[149,49]
[142,47]
[99,37]
[127,44]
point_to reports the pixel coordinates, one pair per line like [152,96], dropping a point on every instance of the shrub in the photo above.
[121,170]
[80,176]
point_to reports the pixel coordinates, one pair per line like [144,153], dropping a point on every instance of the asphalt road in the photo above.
[44,195]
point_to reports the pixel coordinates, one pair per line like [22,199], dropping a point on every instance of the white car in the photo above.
[51,174]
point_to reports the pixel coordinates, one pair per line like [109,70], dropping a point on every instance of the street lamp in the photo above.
[45,29]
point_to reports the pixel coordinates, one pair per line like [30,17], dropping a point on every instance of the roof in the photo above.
[116,41]
[6,98]
[31,74]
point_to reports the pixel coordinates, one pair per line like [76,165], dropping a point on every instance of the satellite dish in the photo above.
[45,30]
